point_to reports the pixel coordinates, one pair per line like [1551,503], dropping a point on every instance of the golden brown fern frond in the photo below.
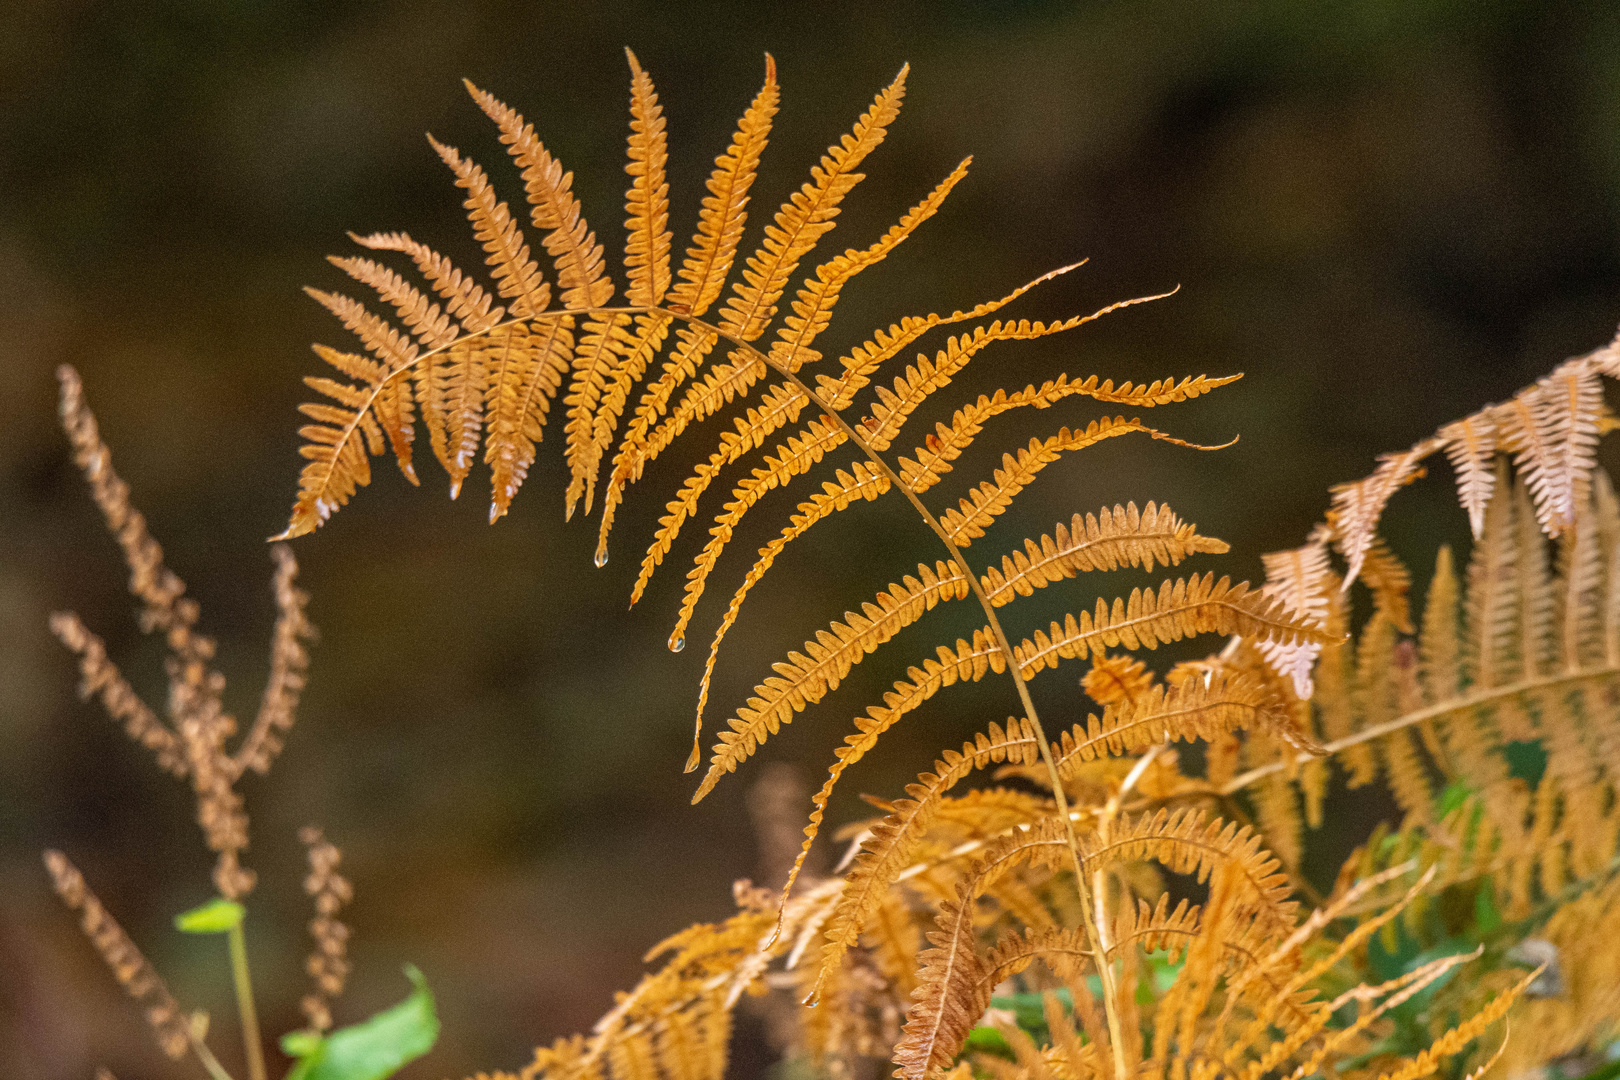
[1107,540]
[646,251]
[517,275]
[950,997]
[812,310]
[646,260]
[1117,680]
[1190,606]
[1195,709]
[863,361]
[1549,428]
[991,498]
[570,243]
[894,841]
[798,227]
[931,461]
[863,482]
[701,277]
[1123,536]
[792,459]
[1297,578]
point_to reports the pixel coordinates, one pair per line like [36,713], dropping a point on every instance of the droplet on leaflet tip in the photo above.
[676,644]
[601,558]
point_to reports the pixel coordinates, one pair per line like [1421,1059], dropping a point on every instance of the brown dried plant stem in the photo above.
[1090,916]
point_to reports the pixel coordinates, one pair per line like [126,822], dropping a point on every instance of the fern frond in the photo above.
[812,310]
[780,698]
[1492,594]
[920,381]
[798,227]
[1470,444]
[931,461]
[1440,645]
[391,397]
[576,256]
[807,677]
[517,275]
[991,498]
[1179,609]
[337,445]
[1296,578]
[702,275]
[646,252]
[1195,709]
[606,344]
[1105,541]
[526,365]
[863,482]
[432,327]
[1458,1037]
[1358,506]
[1117,680]
[463,297]
[895,840]
[1552,430]
[1193,843]
[602,343]
[806,217]
[862,362]
[948,996]
[794,458]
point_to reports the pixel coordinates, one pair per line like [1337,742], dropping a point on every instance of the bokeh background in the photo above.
[1385,213]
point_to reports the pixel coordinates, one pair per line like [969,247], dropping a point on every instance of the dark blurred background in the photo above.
[1385,213]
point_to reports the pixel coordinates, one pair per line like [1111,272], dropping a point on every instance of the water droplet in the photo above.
[676,644]
[601,558]
[494,512]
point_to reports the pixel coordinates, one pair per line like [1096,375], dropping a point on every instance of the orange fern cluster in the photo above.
[1078,866]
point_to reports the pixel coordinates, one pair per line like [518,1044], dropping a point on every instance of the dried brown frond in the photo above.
[1117,680]
[894,841]
[812,311]
[289,661]
[992,497]
[99,677]
[1195,709]
[931,461]
[1197,605]
[328,964]
[131,969]
[1105,541]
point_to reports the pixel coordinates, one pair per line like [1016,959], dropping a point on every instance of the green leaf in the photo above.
[218,916]
[987,1040]
[373,1049]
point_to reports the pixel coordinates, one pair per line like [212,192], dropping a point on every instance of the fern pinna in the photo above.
[1075,867]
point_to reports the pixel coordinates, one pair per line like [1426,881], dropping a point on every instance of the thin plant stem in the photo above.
[206,1056]
[244,1003]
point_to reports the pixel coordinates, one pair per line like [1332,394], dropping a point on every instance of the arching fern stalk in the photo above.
[484,362]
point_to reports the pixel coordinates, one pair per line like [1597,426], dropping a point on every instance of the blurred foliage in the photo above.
[1386,213]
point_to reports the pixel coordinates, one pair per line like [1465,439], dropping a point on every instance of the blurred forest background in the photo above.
[1385,213]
